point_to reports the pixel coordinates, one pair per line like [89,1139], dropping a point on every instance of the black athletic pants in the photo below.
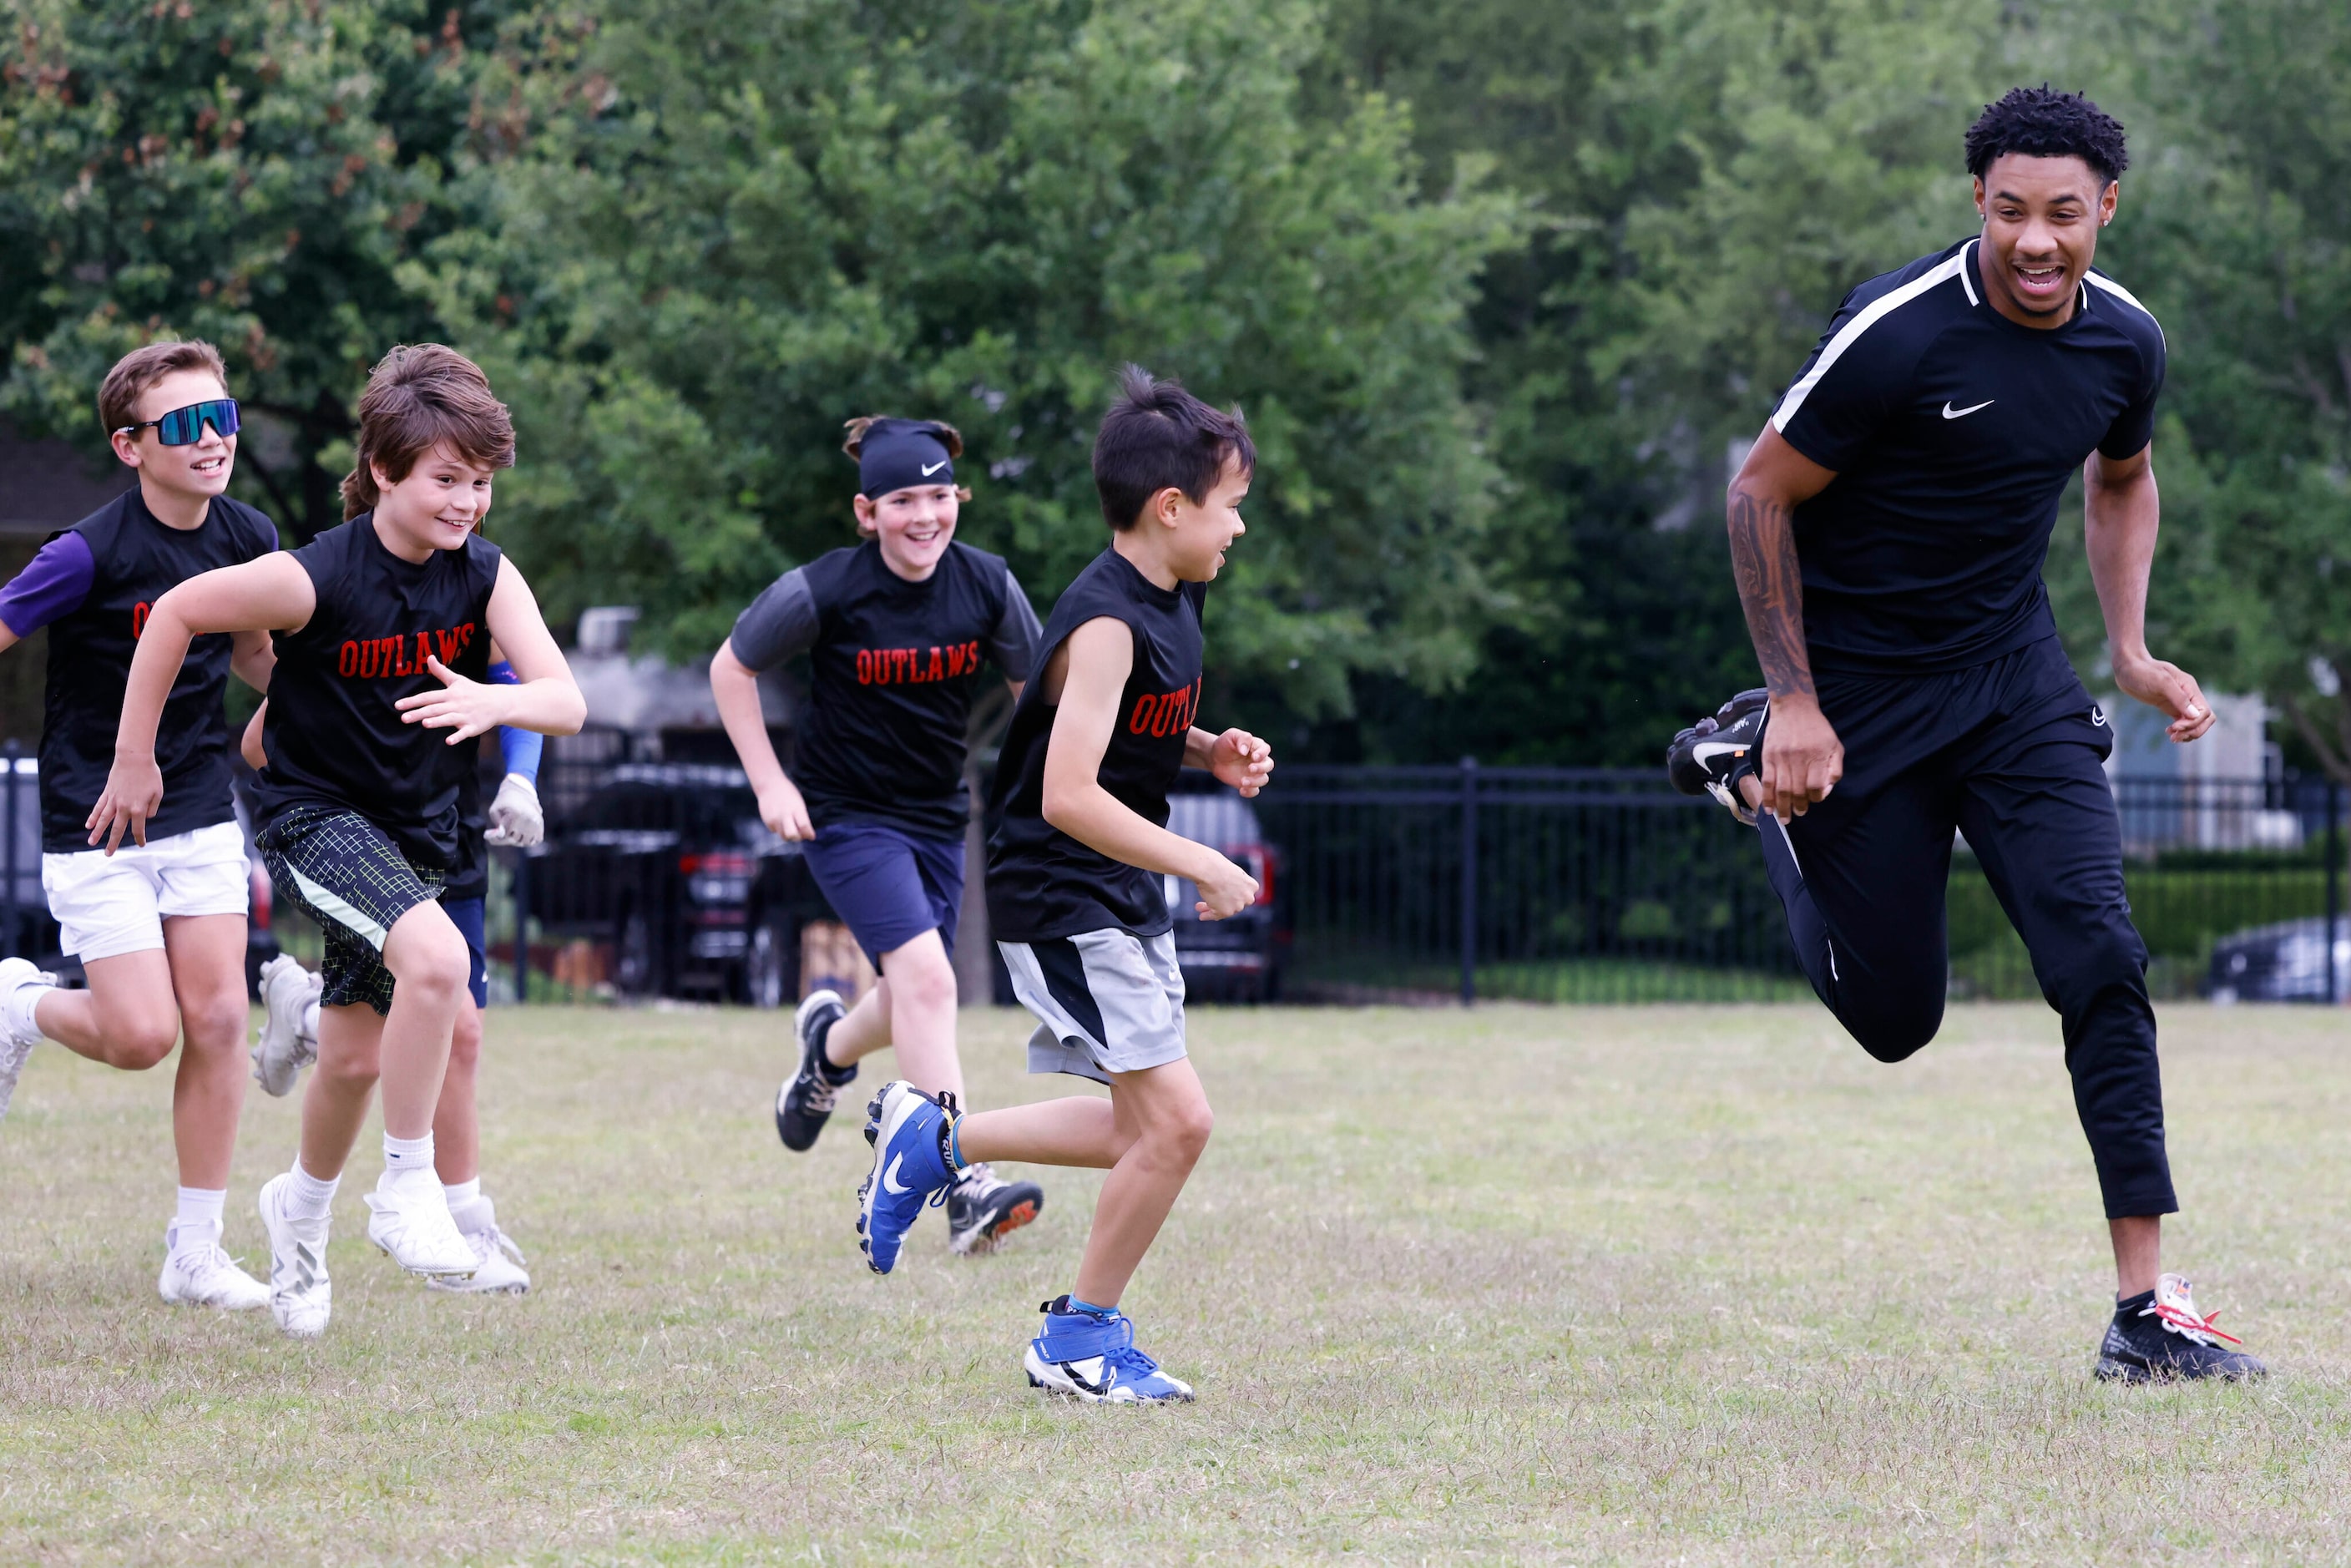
[2010,754]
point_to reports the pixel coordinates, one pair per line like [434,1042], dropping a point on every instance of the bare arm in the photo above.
[735,689]
[2122,515]
[273,593]
[1802,758]
[1093,664]
[254,658]
[545,698]
[249,746]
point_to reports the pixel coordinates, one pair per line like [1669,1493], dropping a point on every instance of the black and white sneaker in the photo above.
[983,1208]
[1708,757]
[805,1101]
[2161,1337]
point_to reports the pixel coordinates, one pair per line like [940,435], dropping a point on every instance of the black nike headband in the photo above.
[900,454]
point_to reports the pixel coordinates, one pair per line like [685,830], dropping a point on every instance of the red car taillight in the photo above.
[1260,862]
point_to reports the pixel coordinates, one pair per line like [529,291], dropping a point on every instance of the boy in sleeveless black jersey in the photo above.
[383,629]
[895,630]
[1077,859]
[160,929]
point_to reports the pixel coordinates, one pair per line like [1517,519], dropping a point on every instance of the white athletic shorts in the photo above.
[1106,1001]
[107,906]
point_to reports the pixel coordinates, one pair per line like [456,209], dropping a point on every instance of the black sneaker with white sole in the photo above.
[983,1208]
[1708,757]
[2158,1337]
[805,1102]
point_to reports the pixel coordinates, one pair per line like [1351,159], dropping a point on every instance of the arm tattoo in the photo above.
[1771,590]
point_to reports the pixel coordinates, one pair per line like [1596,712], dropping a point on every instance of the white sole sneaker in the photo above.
[500,1270]
[300,1296]
[409,1222]
[202,1275]
[282,1051]
[14,974]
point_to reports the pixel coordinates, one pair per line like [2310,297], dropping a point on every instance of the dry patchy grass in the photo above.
[1548,1284]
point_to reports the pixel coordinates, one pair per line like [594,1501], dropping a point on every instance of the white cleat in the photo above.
[17,1033]
[201,1275]
[410,1221]
[287,991]
[498,1262]
[299,1292]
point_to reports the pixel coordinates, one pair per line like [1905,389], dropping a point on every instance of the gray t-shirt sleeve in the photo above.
[1013,643]
[779,624]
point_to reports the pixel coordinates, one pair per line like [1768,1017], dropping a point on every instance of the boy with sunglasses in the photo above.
[159,927]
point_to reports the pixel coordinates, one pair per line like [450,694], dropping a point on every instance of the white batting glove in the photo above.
[517,820]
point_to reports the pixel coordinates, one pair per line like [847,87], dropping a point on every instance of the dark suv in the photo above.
[1239,958]
[668,865]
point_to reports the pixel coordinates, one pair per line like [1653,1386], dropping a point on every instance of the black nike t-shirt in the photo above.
[893,667]
[1041,883]
[1953,431]
[92,585]
[334,736]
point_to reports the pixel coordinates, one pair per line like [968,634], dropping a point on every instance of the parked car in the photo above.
[2281,963]
[1239,958]
[667,868]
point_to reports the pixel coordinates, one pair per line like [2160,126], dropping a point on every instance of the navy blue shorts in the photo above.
[470,917]
[888,886]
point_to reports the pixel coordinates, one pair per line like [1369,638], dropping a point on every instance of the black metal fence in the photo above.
[1581,884]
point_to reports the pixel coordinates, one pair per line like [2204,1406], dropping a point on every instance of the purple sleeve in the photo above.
[53,583]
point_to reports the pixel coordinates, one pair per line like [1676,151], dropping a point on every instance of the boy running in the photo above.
[291,995]
[1076,865]
[894,629]
[159,928]
[383,630]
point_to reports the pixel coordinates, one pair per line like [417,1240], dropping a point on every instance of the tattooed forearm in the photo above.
[1763,557]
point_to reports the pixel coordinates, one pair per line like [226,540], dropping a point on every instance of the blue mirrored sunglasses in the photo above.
[185,426]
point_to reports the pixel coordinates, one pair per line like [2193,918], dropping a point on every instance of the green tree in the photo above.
[250,171]
[737,224]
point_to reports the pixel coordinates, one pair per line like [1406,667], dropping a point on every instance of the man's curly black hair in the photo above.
[2042,123]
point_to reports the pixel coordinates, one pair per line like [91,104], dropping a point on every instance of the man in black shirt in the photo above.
[895,630]
[159,928]
[1888,530]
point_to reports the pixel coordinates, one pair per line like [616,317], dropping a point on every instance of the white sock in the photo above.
[462,1192]
[307,1026]
[308,1197]
[21,1003]
[401,1155]
[200,1212]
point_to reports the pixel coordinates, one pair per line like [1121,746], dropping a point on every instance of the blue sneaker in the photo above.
[1095,1358]
[908,1129]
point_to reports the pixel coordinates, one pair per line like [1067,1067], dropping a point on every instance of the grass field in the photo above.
[1527,1284]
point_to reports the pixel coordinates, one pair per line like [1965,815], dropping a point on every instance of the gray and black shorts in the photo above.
[346,874]
[1106,1001]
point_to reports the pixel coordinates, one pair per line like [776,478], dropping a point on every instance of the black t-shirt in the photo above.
[131,561]
[1953,431]
[334,737]
[1041,883]
[893,667]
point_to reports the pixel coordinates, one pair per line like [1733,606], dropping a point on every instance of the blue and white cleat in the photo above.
[1093,1358]
[908,1130]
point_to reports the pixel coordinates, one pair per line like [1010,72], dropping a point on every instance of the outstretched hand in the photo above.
[469,707]
[2169,689]
[1240,760]
[134,792]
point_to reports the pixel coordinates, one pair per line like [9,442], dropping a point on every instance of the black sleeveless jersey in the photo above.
[135,560]
[893,667]
[334,737]
[1041,883]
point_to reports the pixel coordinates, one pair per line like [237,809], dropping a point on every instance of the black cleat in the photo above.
[1708,757]
[983,1208]
[2159,1337]
[805,1101]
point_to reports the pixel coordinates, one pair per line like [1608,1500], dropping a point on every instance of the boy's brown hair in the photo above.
[420,395]
[135,374]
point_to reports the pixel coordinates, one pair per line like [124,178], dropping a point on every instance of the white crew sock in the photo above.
[199,1215]
[22,1001]
[401,1155]
[308,1197]
[462,1192]
[307,1026]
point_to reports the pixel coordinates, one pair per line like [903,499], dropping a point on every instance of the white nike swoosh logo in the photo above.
[890,1177]
[1950,413]
[932,469]
[1708,750]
